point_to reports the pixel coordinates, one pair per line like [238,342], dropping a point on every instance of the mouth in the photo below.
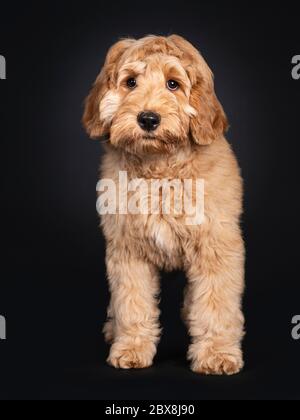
[148,137]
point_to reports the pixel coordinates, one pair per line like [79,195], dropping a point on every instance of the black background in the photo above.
[53,290]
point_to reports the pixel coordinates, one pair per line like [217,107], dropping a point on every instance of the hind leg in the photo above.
[108,329]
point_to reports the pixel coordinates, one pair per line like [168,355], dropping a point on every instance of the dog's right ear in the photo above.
[95,127]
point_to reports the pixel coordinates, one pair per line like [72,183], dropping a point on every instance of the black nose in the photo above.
[149,121]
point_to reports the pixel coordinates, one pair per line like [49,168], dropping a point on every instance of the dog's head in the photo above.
[154,95]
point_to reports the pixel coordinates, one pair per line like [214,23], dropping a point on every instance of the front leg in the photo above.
[213,302]
[134,309]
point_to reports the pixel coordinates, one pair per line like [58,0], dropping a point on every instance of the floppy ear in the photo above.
[210,122]
[95,127]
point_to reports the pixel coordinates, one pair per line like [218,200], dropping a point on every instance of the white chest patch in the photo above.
[162,236]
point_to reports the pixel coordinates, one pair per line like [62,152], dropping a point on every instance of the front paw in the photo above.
[125,356]
[216,362]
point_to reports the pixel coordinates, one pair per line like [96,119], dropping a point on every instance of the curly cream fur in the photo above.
[189,144]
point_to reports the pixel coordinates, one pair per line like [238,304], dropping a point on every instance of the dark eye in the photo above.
[172,85]
[131,83]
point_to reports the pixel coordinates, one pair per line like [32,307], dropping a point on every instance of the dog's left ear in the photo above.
[210,122]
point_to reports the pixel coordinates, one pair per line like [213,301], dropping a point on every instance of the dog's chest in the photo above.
[160,225]
[156,236]
[161,234]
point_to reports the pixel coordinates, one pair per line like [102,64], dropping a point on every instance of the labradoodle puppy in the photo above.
[154,104]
